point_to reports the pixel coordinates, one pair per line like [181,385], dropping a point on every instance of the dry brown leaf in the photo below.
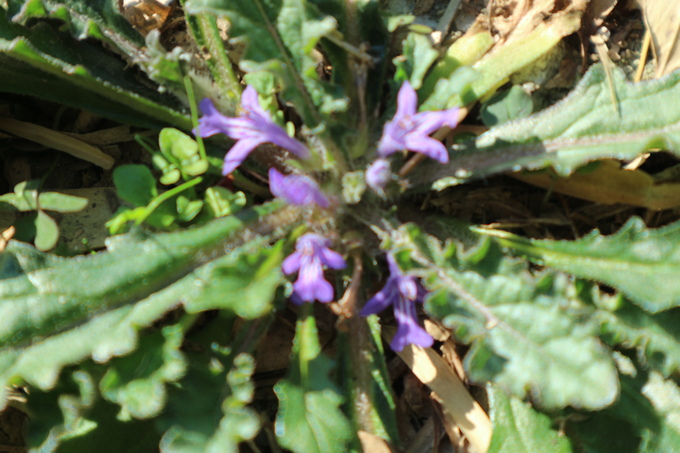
[5,236]
[374,444]
[434,372]
[514,19]
[609,184]
[662,19]
[145,15]
[56,140]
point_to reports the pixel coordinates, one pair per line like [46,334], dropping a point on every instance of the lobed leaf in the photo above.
[59,311]
[656,337]
[207,411]
[43,62]
[645,419]
[519,427]
[99,19]
[309,418]
[280,36]
[523,334]
[643,263]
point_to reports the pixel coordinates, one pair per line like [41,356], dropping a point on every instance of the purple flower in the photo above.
[402,292]
[300,190]
[310,256]
[410,130]
[378,174]
[251,129]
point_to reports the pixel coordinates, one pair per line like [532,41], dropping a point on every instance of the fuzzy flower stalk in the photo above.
[252,128]
[402,292]
[310,256]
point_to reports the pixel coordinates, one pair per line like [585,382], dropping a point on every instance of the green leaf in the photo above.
[221,202]
[46,232]
[135,184]
[73,418]
[137,382]
[507,105]
[53,201]
[643,263]
[43,62]
[309,418]
[585,126]
[363,371]
[644,420]
[519,427]
[97,19]
[207,412]
[524,334]
[280,36]
[243,283]
[664,394]
[419,54]
[59,311]
[656,337]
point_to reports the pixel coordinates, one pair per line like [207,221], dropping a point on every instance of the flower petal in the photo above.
[251,103]
[213,122]
[407,101]
[428,146]
[382,299]
[429,122]
[274,133]
[299,190]
[292,263]
[311,284]
[332,259]
[408,330]
[238,153]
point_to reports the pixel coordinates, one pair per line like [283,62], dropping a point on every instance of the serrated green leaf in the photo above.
[643,263]
[73,419]
[137,382]
[519,427]
[664,395]
[363,371]
[243,283]
[97,19]
[280,36]
[309,418]
[583,127]
[206,411]
[523,335]
[656,337]
[644,420]
[60,311]
[43,62]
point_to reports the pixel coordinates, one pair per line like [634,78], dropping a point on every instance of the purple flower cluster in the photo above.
[310,256]
[408,130]
[402,292]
